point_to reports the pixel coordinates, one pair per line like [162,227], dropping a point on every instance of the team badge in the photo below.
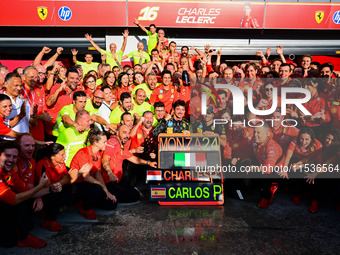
[139,136]
[334,110]
[170,124]
[172,90]
[319,15]
[213,128]
[160,96]
[42,12]
[235,145]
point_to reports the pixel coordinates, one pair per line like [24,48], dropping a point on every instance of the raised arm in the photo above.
[52,98]
[199,53]
[140,26]
[279,51]
[20,197]
[89,38]
[125,35]
[50,78]
[52,59]
[263,57]
[74,56]
[218,59]
[39,57]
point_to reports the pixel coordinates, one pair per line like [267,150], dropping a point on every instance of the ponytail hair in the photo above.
[94,136]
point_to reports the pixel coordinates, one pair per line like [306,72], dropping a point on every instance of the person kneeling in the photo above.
[88,186]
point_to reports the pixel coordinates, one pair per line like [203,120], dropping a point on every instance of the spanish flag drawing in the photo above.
[158,192]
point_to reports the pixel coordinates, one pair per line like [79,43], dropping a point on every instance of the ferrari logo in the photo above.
[319,16]
[42,12]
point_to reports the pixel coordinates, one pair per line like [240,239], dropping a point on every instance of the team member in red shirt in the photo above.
[89,83]
[268,153]
[334,108]
[5,111]
[266,103]
[123,84]
[284,73]
[54,166]
[301,147]
[165,92]
[15,207]
[143,135]
[251,81]
[238,146]
[328,155]
[116,151]
[111,81]
[26,164]
[266,150]
[283,135]
[61,95]
[143,145]
[36,98]
[320,116]
[90,188]
[306,64]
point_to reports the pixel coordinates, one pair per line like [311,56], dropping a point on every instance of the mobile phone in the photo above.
[43,169]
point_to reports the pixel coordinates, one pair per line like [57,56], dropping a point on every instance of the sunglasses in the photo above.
[131,73]
[269,89]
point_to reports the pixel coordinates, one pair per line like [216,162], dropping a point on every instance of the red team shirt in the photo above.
[314,105]
[168,97]
[54,173]
[84,156]
[4,130]
[118,153]
[269,153]
[301,152]
[10,185]
[284,135]
[238,147]
[121,90]
[140,137]
[65,97]
[26,172]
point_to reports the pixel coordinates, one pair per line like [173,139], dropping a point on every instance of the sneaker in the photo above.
[297,200]
[53,225]
[264,203]
[33,242]
[88,214]
[313,208]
